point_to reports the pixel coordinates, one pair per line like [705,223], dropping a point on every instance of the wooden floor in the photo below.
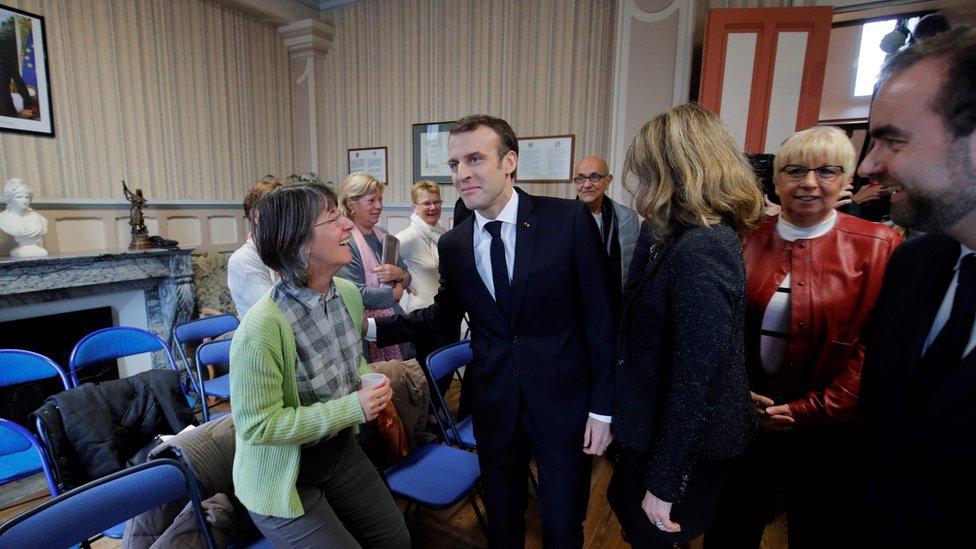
[458,527]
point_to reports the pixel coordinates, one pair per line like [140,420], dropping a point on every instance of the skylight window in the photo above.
[870,58]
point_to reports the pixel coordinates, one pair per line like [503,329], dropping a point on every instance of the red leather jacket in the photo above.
[835,282]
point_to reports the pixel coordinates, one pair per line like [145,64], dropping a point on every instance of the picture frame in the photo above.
[546,159]
[430,152]
[371,160]
[24,67]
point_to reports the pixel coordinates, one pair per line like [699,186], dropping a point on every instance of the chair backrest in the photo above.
[440,364]
[81,513]
[14,440]
[17,366]
[112,343]
[214,352]
[447,360]
[208,326]
[195,331]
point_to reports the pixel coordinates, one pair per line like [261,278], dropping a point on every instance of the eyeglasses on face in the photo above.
[594,177]
[824,173]
[330,220]
[429,203]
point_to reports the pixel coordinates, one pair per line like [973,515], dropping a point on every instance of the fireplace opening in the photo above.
[52,336]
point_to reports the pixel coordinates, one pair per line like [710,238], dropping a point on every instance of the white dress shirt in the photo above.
[945,309]
[482,241]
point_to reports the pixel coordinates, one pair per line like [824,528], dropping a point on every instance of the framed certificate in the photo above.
[430,152]
[371,160]
[547,159]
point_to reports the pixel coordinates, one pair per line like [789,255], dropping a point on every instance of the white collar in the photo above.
[790,232]
[509,213]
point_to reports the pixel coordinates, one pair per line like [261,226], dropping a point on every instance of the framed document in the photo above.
[430,152]
[371,160]
[547,159]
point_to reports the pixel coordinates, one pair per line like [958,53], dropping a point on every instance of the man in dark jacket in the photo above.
[918,388]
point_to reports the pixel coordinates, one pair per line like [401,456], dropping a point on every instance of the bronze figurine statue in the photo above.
[140,235]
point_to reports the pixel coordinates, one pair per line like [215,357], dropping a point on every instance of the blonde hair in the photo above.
[811,146]
[355,186]
[423,185]
[689,171]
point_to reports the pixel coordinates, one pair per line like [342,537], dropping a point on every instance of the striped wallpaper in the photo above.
[186,99]
[546,66]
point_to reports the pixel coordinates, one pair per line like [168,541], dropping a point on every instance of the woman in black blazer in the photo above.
[682,405]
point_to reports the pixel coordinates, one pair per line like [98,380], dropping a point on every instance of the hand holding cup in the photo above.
[375,394]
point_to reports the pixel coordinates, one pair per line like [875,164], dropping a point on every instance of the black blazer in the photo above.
[919,445]
[557,351]
[682,393]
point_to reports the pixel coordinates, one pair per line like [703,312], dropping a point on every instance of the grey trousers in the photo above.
[347,504]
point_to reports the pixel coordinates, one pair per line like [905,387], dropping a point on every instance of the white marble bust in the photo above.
[21,222]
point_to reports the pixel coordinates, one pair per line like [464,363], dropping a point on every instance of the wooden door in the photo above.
[762,71]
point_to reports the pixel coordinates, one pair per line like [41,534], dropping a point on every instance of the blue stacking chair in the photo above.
[113,343]
[213,353]
[20,453]
[437,476]
[77,515]
[445,362]
[198,329]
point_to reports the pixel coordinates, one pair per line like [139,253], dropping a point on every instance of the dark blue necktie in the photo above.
[945,353]
[499,268]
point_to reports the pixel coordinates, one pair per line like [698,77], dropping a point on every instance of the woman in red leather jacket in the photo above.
[813,275]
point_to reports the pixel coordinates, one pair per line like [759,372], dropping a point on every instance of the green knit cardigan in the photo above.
[270,421]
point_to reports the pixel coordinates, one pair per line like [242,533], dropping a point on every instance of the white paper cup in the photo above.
[369,380]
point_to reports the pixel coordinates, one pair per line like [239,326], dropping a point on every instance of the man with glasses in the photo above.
[619,225]
[918,389]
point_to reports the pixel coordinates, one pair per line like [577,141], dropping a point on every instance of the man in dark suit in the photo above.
[918,390]
[529,272]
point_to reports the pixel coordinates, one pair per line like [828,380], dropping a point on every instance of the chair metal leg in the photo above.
[534,482]
[477,513]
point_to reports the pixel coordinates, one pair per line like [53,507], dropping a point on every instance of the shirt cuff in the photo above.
[598,417]
[370,330]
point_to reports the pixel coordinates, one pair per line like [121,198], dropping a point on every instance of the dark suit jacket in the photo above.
[557,351]
[920,445]
[682,393]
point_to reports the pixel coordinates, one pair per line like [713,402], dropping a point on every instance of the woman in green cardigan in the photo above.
[294,377]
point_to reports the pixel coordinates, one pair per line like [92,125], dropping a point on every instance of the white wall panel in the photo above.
[80,234]
[784,101]
[740,59]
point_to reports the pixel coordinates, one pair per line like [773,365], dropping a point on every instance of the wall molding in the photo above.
[628,12]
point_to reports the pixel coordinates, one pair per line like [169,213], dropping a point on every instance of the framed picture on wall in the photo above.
[547,159]
[25,90]
[430,152]
[371,160]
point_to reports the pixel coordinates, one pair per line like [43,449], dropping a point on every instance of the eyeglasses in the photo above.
[594,177]
[429,203]
[824,173]
[334,218]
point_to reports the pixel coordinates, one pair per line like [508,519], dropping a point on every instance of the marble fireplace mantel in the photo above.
[163,275]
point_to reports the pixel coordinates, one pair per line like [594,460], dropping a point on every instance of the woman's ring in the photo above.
[659,524]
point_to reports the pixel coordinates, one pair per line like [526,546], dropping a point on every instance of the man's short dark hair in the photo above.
[255,194]
[956,101]
[505,133]
[286,216]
